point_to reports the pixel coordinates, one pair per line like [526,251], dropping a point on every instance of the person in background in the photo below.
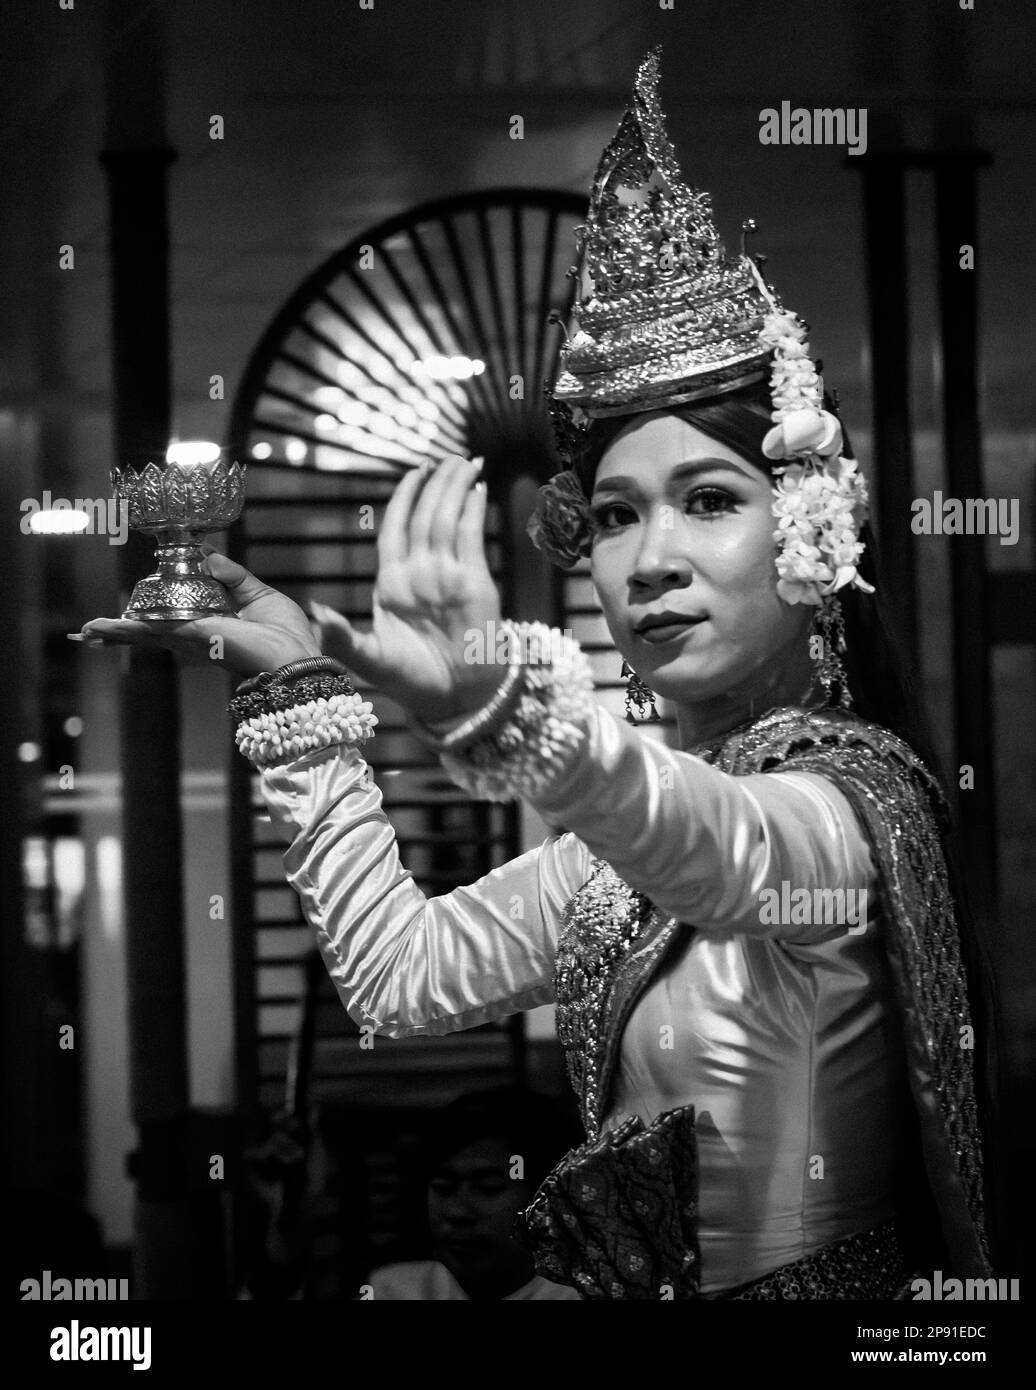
[488,1152]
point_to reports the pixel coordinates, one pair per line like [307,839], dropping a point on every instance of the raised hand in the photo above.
[433,590]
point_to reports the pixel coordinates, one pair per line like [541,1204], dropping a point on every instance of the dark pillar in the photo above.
[889,320]
[957,226]
[150,713]
[21,986]
[177,1236]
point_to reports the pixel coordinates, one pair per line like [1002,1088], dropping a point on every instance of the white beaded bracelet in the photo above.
[523,751]
[278,736]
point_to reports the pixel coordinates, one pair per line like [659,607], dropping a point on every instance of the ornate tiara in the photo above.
[663,315]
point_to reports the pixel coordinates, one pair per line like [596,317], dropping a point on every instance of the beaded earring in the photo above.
[638,696]
[828,668]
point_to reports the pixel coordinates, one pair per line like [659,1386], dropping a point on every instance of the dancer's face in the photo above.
[684,527]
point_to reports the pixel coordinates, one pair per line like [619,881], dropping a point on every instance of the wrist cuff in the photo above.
[278,736]
[539,727]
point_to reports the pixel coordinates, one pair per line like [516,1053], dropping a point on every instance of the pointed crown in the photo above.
[664,316]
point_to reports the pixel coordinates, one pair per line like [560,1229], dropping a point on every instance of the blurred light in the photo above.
[438,368]
[108,867]
[354,413]
[190,452]
[328,396]
[35,862]
[58,521]
[69,864]
[428,429]
[348,373]
[69,881]
[326,423]
[29,752]
[262,450]
[441,368]
[384,426]
[73,726]
[427,409]
[381,370]
[295,450]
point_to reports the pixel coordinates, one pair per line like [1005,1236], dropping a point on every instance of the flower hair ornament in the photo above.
[820,497]
[665,318]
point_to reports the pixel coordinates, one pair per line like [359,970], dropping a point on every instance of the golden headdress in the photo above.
[664,316]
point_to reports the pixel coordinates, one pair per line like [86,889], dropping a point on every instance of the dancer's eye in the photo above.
[610,516]
[710,501]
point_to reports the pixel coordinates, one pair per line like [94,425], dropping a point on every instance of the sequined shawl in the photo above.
[613,941]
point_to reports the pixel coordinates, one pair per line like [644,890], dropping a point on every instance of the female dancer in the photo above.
[752,939]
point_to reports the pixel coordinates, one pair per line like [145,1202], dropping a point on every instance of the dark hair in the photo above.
[533,1125]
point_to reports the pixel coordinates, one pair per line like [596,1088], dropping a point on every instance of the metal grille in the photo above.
[426,335]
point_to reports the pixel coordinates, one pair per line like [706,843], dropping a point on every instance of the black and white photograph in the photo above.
[519,612]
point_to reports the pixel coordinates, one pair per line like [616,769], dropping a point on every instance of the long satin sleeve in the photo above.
[703,845]
[401,962]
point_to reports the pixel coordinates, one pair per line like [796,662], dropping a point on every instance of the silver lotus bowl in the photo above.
[178,504]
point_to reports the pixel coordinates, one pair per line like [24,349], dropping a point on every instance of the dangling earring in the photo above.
[638,696]
[828,627]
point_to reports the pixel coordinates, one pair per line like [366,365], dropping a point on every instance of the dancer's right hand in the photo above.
[433,591]
[266,630]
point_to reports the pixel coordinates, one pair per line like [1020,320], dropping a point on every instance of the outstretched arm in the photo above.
[711,849]
[403,963]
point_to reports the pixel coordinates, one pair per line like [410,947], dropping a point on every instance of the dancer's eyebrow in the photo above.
[621,482]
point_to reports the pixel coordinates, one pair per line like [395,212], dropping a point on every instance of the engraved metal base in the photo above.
[177,600]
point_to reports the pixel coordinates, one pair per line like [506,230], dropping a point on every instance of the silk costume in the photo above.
[786,1043]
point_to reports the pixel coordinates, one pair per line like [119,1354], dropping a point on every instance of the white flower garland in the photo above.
[530,744]
[279,736]
[820,499]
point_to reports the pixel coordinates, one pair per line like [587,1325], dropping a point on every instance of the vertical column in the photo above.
[888,312]
[957,227]
[176,1241]
[149,721]
[20,986]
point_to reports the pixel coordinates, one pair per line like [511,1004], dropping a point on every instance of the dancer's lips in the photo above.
[664,627]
